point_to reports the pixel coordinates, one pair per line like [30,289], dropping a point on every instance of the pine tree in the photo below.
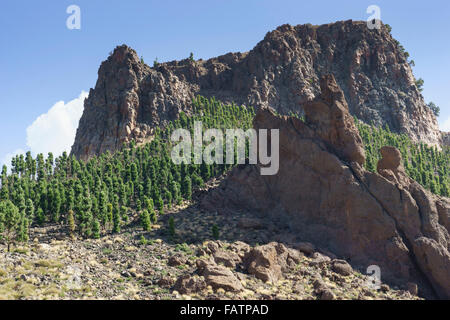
[71,223]
[145,220]
[9,222]
[109,217]
[96,229]
[124,214]
[171,227]
[153,216]
[56,205]
[160,205]
[215,231]
[29,210]
[108,186]
[187,187]
[117,221]
[23,228]
[40,217]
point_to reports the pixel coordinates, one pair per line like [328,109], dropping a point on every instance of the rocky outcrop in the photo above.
[268,262]
[328,116]
[218,277]
[322,192]
[281,72]
[342,267]
[189,284]
[446,139]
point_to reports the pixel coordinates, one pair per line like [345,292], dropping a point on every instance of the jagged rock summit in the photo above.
[282,72]
[323,194]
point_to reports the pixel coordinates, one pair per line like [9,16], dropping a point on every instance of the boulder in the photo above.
[267,262]
[165,282]
[227,258]
[305,247]
[187,284]
[177,260]
[219,277]
[240,248]
[319,259]
[342,267]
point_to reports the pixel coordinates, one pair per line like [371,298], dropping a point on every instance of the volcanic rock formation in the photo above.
[446,139]
[281,72]
[324,194]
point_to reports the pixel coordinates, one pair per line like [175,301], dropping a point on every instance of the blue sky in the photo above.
[44,65]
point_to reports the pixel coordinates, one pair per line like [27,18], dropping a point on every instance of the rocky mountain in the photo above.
[282,72]
[323,194]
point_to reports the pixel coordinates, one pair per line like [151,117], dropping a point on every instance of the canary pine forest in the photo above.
[136,184]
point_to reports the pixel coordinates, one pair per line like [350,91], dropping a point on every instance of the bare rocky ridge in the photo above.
[282,72]
[324,195]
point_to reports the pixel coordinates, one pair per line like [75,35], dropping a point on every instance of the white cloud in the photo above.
[55,130]
[6,160]
[445,125]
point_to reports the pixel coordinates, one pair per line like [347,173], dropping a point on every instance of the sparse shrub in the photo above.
[143,241]
[388,27]
[184,247]
[436,110]
[419,84]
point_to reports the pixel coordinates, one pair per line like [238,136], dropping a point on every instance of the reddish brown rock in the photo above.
[328,116]
[240,248]
[342,267]
[305,247]
[227,258]
[165,282]
[320,259]
[219,277]
[323,194]
[186,284]
[267,262]
[281,72]
[176,260]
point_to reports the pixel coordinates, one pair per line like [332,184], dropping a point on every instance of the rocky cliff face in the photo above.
[281,72]
[324,195]
[446,139]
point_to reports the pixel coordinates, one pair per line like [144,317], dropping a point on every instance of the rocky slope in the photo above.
[123,267]
[322,193]
[281,72]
